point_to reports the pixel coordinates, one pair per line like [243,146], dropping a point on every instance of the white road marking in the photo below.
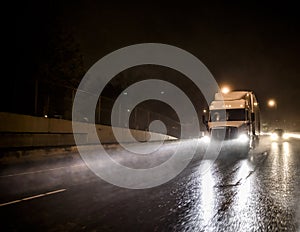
[33,197]
[39,171]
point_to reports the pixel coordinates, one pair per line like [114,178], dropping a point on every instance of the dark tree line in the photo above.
[49,63]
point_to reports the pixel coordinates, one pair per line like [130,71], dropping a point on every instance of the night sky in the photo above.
[246,46]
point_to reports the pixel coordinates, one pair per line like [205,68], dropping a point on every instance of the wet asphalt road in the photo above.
[258,193]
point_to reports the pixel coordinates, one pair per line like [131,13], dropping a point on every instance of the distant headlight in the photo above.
[285,136]
[274,136]
[243,138]
[206,139]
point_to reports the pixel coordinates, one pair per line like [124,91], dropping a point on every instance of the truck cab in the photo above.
[235,120]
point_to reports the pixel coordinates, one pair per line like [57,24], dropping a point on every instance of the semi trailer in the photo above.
[234,119]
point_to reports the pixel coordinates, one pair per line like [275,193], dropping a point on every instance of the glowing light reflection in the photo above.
[285,170]
[286,149]
[274,148]
[243,195]
[274,152]
[244,189]
[207,192]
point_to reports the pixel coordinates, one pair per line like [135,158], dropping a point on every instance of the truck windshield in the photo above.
[228,115]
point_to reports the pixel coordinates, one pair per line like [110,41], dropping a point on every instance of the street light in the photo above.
[272,103]
[225,90]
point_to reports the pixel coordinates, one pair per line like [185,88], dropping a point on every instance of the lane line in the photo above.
[39,171]
[36,196]
[11,202]
[33,197]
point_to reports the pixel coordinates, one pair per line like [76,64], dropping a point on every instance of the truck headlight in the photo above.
[206,139]
[274,136]
[285,136]
[243,138]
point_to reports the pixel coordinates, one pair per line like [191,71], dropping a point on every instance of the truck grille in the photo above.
[224,133]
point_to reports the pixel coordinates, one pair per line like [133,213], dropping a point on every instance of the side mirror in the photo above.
[252,117]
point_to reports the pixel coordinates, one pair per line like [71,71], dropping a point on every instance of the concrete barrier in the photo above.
[29,131]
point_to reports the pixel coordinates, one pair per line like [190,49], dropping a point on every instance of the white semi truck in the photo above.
[234,119]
